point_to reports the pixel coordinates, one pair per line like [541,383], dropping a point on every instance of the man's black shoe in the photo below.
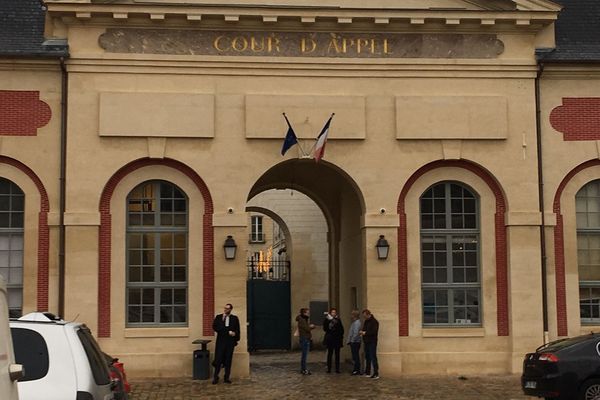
[227,381]
[215,380]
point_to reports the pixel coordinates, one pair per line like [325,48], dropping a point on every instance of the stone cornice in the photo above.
[275,66]
[8,64]
[274,16]
[574,71]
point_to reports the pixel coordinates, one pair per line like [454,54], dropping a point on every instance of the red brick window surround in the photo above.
[105,237]
[22,112]
[43,233]
[500,243]
[559,250]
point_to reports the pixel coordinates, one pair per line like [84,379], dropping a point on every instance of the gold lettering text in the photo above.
[333,44]
[312,45]
[273,43]
[373,46]
[386,48]
[360,43]
[346,44]
[217,42]
[239,43]
[257,46]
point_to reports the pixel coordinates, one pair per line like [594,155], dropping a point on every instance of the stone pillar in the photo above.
[525,285]
[230,282]
[381,287]
[81,269]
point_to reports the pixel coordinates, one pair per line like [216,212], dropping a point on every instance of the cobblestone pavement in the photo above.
[275,376]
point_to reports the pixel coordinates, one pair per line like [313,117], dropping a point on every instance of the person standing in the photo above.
[369,334]
[354,341]
[334,338]
[227,327]
[304,337]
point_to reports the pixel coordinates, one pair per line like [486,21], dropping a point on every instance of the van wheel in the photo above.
[590,390]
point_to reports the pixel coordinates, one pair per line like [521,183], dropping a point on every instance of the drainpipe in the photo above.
[538,126]
[63,186]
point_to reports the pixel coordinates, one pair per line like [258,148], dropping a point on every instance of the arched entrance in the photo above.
[268,294]
[340,205]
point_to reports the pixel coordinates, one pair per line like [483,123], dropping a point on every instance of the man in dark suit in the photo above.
[227,327]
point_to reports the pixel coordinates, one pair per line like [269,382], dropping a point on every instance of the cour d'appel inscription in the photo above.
[300,44]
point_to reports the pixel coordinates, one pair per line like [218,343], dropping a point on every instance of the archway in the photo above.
[340,204]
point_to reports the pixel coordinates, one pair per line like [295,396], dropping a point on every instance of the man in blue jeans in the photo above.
[369,334]
[354,341]
[304,335]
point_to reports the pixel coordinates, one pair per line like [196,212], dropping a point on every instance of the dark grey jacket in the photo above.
[304,330]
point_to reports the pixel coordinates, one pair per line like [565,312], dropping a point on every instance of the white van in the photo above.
[9,371]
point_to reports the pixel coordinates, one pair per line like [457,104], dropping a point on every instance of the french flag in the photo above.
[322,140]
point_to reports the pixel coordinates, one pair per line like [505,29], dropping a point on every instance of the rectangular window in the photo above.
[589,303]
[256,226]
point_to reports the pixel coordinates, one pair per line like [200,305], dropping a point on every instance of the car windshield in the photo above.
[561,344]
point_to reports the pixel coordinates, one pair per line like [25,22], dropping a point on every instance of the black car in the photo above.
[566,369]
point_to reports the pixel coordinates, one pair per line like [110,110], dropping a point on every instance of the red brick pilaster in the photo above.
[501,243]
[104,271]
[43,261]
[501,270]
[560,279]
[208,276]
[403,274]
[105,237]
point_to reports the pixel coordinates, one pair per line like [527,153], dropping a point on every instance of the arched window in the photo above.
[157,255]
[12,206]
[588,251]
[450,271]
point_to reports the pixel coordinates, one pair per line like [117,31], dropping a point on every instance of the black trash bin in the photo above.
[201,361]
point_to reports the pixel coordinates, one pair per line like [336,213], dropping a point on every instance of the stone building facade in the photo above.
[133,133]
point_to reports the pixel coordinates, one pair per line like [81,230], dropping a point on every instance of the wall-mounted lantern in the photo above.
[383,248]
[230,247]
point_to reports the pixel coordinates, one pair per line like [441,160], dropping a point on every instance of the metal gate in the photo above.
[268,300]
